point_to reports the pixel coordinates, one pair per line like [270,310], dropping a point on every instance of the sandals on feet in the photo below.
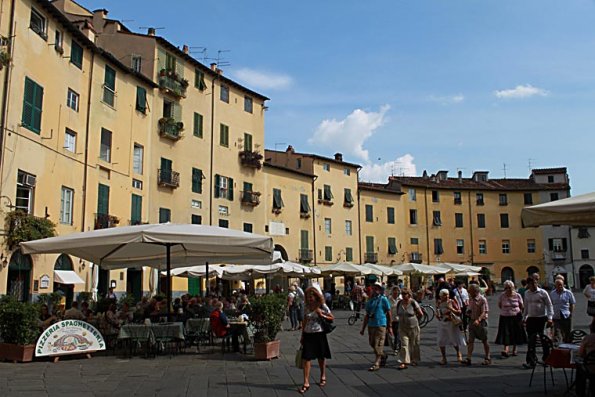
[443,361]
[322,382]
[466,361]
[374,368]
[504,354]
[303,389]
[487,361]
[402,366]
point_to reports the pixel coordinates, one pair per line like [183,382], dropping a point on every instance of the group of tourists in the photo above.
[392,316]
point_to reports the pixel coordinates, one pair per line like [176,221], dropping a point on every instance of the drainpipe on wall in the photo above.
[359,223]
[5,94]
[427,224]
[212,151]
[471,227]
[87,133]
[314,221]
[571,257]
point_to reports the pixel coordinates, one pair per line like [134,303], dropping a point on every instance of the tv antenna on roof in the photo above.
[504,169]
[151,28]
[199,50]
[530,161]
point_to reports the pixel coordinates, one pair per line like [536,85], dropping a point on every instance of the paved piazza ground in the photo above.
[212,374]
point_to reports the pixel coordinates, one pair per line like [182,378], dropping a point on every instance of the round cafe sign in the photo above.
[69,337]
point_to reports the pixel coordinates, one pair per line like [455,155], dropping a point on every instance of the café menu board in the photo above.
[69,337]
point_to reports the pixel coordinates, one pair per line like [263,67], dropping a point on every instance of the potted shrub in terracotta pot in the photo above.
[19,329]
[267,313]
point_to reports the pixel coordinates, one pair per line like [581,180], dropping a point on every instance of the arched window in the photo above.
[18,281]
[507,274]
[63,263]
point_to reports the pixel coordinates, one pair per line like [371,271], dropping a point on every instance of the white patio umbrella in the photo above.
[456,267]
[408,268]
[196,271]
[467,273]
[574,211]
[165,246]
[381,270]
[341,267]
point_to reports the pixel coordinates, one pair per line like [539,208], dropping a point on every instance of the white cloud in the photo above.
[447,100]
[402,166]
[521,91]
[263,80]
[349,135]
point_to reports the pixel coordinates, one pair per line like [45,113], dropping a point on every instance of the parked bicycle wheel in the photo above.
[431,312]
[352,319]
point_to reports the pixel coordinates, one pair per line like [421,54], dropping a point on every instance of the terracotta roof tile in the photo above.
[470,184]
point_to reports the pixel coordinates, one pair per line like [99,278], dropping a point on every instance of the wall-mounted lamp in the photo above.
[3,260]
[81,265]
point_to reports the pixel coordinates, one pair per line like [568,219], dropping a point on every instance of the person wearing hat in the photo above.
[314,341]
[376,319]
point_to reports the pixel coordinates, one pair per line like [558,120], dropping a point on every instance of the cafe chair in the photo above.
[577,335]
[543,349]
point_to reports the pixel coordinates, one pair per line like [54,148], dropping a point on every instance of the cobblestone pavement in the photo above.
[209,373]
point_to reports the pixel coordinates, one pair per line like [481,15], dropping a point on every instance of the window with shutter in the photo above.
[392,245]
[304,243]
[438,250]
[277,200]
[369,213]
[141,99]
[196,180]
[164,215]
[247,142]
[224,135]
[109,86]
[436,218]
[32,105]
[348,198]
[328,254]
[217,191]
[390,215]
[349,254]
[458,220]
[136,209]
[328,195]
[76,55]
[103,199]
[370,244]
[199,80]
[304,205]
[198,121]
[504,220]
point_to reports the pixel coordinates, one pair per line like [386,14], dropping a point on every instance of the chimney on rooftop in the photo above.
[290,149]
[441,175]
[151,31]
[338,156]
[214,67]
[185,49]
[460,176]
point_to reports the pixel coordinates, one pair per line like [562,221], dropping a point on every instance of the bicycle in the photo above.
[355,315]
[428,314]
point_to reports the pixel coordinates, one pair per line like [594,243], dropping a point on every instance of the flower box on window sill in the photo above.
[325,202]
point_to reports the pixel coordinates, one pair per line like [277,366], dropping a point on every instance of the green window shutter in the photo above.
[217,185]
[110,78]
[304,206]
[390,213]
[277,200]
[193,286]
[328,195]
[348,197]
[247,142]
[32,105]
[196,180]
[166,164]
[304,244]
[369,213]
[349,254]
[164,215]
[392,245]
[224,135]
[141,99]
[230,189]
[370,244]
[136,210]
[328,254]
[103,199]
[199,80]
[76,54]
[198,121]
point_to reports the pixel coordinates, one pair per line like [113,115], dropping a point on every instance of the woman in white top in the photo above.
[394,299]
[589,292]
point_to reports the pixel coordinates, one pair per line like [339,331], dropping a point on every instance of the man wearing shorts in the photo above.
[376,319]
[478,325]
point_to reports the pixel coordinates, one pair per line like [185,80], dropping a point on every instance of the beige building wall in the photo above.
[292,231]
[380,228]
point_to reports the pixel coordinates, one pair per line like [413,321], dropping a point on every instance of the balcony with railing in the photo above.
[170,128]
[415,257]
[306,255]
[251,159]
[172,83]
[105,221]
[371,257]
[250,198]
[168,178]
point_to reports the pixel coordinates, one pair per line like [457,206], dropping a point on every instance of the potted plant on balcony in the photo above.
[266,317]
[18,329]
[21,226]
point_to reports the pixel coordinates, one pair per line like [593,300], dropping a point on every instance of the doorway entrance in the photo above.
[18,283]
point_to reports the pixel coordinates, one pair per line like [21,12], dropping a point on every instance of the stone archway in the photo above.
[584,273]
[507,274]
[18,282]
[282,251]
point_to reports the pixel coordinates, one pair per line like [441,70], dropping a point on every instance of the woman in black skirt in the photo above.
[314,342]
[510,326]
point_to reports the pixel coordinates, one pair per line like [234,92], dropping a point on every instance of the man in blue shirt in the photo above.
[376,319]
[563,302]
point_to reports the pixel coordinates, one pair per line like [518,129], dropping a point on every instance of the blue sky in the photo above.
[402,86]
